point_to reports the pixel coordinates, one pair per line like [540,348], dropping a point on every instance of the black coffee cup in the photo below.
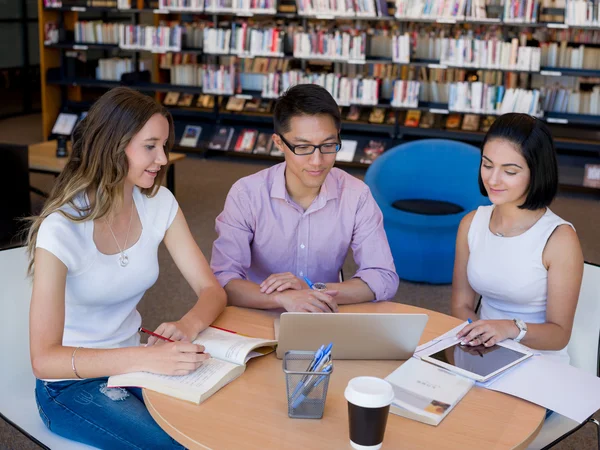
[369,400]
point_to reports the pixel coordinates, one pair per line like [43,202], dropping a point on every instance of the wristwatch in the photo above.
[522,326]
[319,287]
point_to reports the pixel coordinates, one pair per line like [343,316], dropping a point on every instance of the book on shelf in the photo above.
[245,141]
[390,118]
[229,354]
[348,150]
[171,98]
[222,139]
[353,113]
[428,120]
[264,144]
[190,136]
[185,100]
[276,152]
[591,176]
[487,122]
[205,101]
[470,122]
[377,115]
[413,117]
[453,121]
[51,33]
[65,123]
[252,105]
[371,151]
[426,393]
[235,104]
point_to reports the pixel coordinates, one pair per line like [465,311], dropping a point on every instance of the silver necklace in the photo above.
[123,258]
[522,227]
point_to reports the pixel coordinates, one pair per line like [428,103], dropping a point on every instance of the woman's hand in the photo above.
[176,331]
[488,332]
[175,358]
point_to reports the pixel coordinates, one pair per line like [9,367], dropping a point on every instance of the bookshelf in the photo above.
[547,67]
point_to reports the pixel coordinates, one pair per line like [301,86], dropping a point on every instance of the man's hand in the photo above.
[307,300]
[281,282]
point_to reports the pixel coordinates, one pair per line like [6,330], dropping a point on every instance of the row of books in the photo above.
[97,32]
[235,6]
[208,101]
[573,35]
[333,46]
[144,37]
[478,97]
[243,40]
[121,4]
[560,100]
[521,11]
[249,140]
[489,54]
[582,12]
[560,55]
[405,94]
[113,68]
[401,48]
[342,8]
[345,90]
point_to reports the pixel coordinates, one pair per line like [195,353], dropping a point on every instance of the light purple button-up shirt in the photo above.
[262,232]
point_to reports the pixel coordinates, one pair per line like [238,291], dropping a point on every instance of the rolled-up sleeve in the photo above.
[231,256]
[371,249]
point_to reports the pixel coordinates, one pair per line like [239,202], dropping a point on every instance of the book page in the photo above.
[231,347]
[187,387]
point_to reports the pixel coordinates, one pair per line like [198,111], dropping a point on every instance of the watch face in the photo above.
[319,286]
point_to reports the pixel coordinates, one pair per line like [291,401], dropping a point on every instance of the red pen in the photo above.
[151,333]
[224,329]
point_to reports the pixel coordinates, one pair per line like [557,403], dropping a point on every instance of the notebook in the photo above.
[229,354]
[425,392]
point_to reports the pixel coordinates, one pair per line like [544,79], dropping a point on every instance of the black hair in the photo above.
[304,99]
[533,140]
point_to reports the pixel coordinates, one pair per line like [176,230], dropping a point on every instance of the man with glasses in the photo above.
[285,231]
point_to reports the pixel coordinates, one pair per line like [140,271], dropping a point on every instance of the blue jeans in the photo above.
[108,418]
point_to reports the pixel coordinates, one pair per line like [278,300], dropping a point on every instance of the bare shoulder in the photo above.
[466,221]
[562,245]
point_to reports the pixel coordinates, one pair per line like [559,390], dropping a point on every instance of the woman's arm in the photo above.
[564,261]
[51,360]
[195,269]
[463,296]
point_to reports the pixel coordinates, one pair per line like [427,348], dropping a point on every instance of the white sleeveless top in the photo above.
[508,272]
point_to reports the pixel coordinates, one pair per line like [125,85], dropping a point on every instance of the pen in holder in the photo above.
[306,391]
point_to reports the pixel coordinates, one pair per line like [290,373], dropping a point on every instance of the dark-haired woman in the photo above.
[524,260]
[93,251]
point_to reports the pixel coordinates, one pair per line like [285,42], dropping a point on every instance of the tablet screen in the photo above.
[479,360]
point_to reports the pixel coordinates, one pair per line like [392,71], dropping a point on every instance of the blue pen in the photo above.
[309,388]
[310,283]
[315,361]
[318,367]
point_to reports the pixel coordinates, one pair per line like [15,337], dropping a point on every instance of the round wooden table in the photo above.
[251,412]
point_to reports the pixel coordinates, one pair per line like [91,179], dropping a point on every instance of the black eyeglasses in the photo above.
[309,149]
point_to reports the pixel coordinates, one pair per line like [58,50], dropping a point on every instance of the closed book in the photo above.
[426,393]
[229,353]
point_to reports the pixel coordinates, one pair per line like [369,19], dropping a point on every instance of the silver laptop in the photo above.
[354,335]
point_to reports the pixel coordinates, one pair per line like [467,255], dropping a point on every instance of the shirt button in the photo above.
[301,245]
[301,274]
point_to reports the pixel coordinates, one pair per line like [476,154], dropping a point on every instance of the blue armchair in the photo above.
[424,188]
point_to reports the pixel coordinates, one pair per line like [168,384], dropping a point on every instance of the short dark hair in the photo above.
[533,140]
[304,99]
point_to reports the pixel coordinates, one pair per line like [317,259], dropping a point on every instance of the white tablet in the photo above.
[477,362]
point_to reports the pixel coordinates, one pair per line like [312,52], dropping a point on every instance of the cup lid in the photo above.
[369,392]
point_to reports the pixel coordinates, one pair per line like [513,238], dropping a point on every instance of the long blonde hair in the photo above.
[98,163]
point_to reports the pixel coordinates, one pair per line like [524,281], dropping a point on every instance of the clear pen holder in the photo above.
[306,391]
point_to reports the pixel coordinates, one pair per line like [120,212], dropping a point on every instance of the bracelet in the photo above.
[73,363]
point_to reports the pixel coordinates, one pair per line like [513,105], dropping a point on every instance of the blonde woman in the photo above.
[93,253]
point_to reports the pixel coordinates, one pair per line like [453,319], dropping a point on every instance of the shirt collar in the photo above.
[278,190]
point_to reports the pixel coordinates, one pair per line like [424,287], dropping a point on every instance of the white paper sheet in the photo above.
[566,390]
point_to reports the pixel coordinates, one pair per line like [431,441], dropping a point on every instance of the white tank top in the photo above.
[508,272]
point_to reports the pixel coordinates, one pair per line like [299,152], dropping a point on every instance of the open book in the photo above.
[425,392]
[229,354]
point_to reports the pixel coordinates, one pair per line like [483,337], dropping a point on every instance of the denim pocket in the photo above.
[53,388]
